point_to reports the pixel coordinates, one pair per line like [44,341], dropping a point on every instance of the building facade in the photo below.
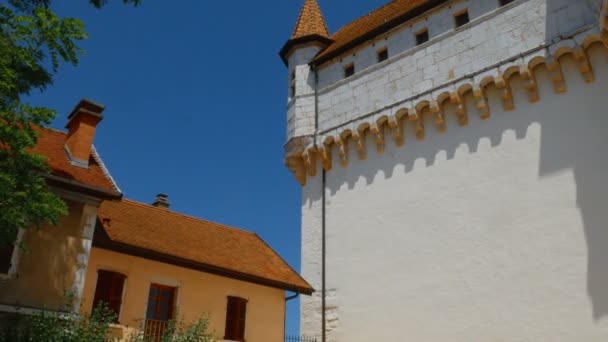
[149,264]
[452,161]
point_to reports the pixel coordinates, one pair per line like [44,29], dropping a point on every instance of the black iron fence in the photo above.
[296,338]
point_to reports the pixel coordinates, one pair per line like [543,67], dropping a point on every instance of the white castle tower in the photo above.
[453,160]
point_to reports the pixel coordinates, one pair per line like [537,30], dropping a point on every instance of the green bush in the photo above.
[69,327]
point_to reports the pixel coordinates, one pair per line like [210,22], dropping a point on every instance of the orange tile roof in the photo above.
[213,246]
[310,22]
[51,145]
[376,22]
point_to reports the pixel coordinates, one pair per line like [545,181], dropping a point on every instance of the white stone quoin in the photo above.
[466,193]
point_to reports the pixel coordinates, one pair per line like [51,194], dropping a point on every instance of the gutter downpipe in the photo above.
[287,299]
[323,186]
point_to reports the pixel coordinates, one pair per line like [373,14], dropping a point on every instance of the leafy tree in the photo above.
[34,42]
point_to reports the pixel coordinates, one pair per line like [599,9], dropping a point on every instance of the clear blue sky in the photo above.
[195,97]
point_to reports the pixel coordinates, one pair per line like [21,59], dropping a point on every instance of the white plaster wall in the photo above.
[493,35]
[496,231]
[301,107]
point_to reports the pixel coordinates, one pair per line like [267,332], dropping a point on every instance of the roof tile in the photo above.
[196,240]
[370,22]
[310,22]
[51,145]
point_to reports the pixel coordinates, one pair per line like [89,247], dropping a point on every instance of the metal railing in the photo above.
[154,329]
[297,338]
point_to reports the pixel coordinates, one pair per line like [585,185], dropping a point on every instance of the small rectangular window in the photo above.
[109,291]
[461,18]
[6,256]
[292,91]
[349,70]
[505,2]
[382,55]
[293,75]
[236,314]
[422,37]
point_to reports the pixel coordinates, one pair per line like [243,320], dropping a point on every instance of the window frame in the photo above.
[109,303]
[173,301]
[347,70]
[460,14]
[382,54]
[13,263]
[420,33]
[239,323]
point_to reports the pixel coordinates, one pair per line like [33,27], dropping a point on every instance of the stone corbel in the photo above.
[482,102]
[396,126]
[343,151]
[359,141]
[437,112]
[325,155]
[418,121]
[507,94]
[310,161]
[461,109]
[295,163]
[583,64]
[530,83]
[378,132]
[559,85]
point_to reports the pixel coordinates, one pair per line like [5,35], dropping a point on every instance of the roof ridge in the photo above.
[104,169]
[190,217]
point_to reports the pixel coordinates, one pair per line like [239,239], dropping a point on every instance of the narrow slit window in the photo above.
[382,55]
[462,18]
[422,37]
[349,70]
[505,2]
[292,84]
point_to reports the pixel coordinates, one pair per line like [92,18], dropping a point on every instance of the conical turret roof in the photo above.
[310,27]
[310,22]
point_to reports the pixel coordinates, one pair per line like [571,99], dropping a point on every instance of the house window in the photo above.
[422,37]
[382,55]
[349,70]
[161,302]
[236,312]
[6,256]
[461,18]
[505,2]
[109,291]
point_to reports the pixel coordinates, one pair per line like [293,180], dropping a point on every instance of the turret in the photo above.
[309,37]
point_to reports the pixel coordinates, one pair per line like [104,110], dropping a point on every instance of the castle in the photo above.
[452,157]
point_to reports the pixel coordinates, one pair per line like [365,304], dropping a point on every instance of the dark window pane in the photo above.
[349,70]
[505,2]
[422,37]
[109,291]
[160,302]
[236,309]
[462,18]
[382,55]
[6,254]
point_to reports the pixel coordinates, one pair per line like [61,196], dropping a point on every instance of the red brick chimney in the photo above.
[82,122]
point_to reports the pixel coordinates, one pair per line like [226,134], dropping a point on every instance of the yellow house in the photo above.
[55,261]
[146,262]
[150,264]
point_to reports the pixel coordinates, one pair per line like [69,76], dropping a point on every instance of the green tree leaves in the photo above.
[34,42]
